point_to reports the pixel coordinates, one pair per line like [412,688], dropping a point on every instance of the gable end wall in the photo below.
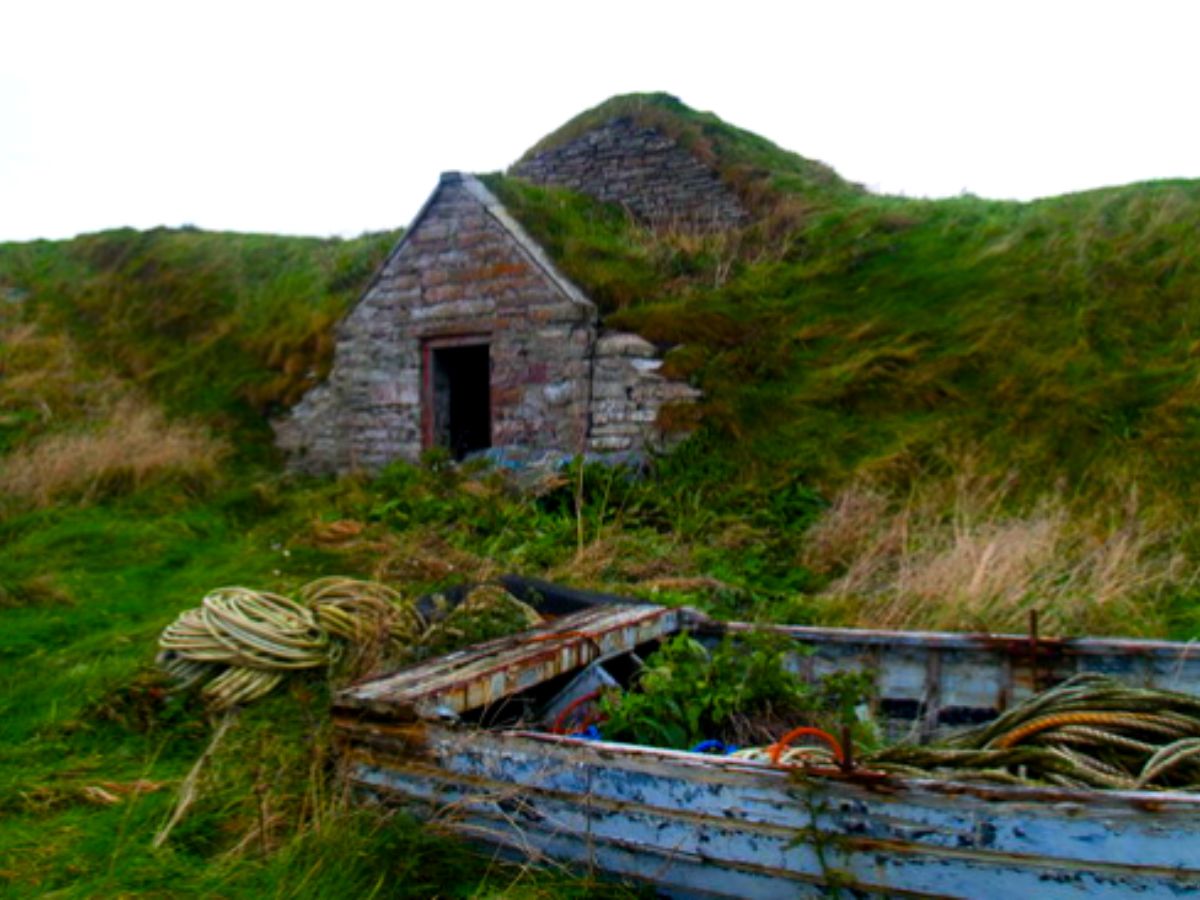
[642,169]
[459,272]
[466,271]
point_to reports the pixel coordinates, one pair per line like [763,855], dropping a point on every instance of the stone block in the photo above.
[609,444]
[611,390]
[644,366]
[454,310]
[622,344]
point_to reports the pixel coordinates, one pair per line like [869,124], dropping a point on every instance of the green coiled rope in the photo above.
[239,644]
[1091,731]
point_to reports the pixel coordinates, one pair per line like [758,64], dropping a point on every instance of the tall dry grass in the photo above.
[42,382]
[967,555]
[131,446]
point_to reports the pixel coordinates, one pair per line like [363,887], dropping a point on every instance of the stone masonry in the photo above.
[641,168]
[627,394]
[466,273]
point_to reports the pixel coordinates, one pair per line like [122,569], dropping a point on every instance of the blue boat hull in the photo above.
[697,825]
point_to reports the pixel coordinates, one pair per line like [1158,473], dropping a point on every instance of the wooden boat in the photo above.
[463,738]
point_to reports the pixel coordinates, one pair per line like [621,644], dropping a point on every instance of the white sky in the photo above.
[336,117]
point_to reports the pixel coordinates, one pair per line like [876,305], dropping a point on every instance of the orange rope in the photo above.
[776,749]
[1072,718]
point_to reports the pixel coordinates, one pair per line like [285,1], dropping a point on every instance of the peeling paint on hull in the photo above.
[694,825]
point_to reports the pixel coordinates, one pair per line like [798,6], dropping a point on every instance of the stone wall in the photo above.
[464,270]
[467,273]
[628,394]
[643,169]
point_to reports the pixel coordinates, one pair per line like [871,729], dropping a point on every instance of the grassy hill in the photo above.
[764,174]
[916,413]
[231,327]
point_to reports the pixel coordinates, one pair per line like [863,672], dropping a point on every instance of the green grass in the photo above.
[81,707]
[1056,337]
[758,169]
[230,327]
[970,375]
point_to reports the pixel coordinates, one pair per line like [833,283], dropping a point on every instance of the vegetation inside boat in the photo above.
[705,686]
[717,693]
[952,707]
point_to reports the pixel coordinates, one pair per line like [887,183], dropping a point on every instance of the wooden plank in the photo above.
[452,684]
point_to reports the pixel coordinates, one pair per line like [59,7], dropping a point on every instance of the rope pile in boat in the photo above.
[240,644]
[1091,731]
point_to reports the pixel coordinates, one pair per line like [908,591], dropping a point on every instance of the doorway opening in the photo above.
[460,397]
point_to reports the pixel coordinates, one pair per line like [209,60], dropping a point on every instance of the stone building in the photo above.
[644,170]
[469,338]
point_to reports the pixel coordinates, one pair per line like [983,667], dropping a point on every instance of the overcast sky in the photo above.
[336,117]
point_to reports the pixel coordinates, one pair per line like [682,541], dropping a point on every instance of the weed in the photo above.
[741,692]
[966,555]
[131,448]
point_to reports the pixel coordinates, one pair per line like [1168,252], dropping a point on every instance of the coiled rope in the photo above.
[240,644]
[1091,731]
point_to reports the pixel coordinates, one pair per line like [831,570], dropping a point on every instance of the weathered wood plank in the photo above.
[472,678]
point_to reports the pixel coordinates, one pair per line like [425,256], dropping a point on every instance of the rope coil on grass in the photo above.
[240,644]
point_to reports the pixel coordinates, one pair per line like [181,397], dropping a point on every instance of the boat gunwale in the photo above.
[870,779]
[443,777]
[694,620]
[878,780]
[968,640]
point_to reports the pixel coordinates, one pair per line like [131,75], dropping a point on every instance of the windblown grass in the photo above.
[133,447]
[43,382]
[758,169]
[965,554]
[230,327]
[845,343]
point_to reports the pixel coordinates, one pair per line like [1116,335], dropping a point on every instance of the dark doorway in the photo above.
[461,395]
